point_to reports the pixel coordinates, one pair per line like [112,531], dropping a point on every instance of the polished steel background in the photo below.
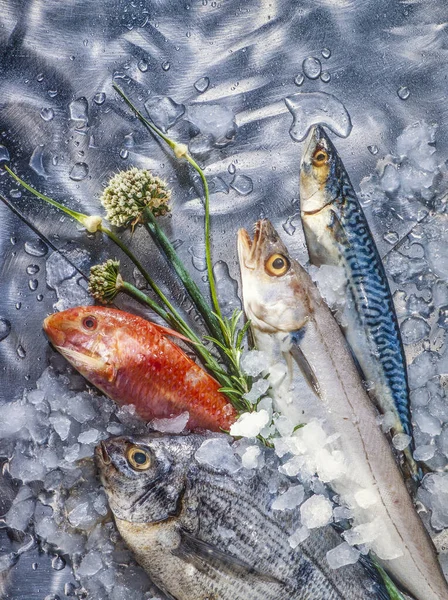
[54,53]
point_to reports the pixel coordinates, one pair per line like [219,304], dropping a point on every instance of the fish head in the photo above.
[87,337]
[320,172]
[144,476]
[274,286]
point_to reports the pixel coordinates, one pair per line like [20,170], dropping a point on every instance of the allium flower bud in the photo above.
[129,192]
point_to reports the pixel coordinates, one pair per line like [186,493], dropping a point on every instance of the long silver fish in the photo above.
[279,296]
[337,233]
[207,534]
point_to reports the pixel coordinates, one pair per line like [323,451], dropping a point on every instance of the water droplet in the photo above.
[99,98]
[199,262]
[391,237]
[37,161]
[15,193]
[79,171]
[373,149]
[79,111]
[288,225]
[13,240]
[32,269]
[325,77]
[166,66]
[35,566]
[36,248]
[47,114]
[226,287]
[55,160]
[403,92]
[4,154]
[177,244]
[58,563]
[69,589]
[311,67]
[326,52]
[40,297]
[164,111]
[310,108]
[85,42]
[21,353]
[242,184]
[201,85]
[231,168]
[142,65]
[5,328]
[40,77]
[18,305]
[217,185]
[299,79]
[129,141]
[52,93]
[124,154]
[33,284]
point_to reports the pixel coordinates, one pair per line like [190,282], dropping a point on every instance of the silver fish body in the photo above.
[279,296]
[337,233]
[204,533]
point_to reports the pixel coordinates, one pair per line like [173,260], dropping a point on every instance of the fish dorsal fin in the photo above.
[205,556]
[167,331]
[302,362]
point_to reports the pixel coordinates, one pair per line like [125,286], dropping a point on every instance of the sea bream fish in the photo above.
[337,233]
[205,533]
[133,362]
[281,299]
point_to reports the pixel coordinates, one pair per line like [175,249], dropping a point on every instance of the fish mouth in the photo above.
[55,334]
[249,250]
[102,455]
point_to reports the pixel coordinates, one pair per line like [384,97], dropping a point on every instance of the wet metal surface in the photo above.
[217,74]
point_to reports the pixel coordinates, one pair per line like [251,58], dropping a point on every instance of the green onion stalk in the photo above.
[226,335]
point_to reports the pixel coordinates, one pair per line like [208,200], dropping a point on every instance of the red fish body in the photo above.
[133,362]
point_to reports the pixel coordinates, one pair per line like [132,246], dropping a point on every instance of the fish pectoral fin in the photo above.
[167,331]
[305,368]
[205,556]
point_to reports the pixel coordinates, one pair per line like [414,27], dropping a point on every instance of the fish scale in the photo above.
[337,233]
[369,287]
[223,541]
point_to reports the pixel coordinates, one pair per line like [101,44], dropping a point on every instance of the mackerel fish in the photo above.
[205,533]
[337,233]
[281,299]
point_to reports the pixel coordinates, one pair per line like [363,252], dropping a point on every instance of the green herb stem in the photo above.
[181,151]
[162,240]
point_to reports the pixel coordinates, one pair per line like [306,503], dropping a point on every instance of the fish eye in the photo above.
[90,322]
[138,458]
[277,265]
[320,157]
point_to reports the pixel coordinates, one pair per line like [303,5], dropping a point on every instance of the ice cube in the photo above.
[258,389]
[217,453]
[252,457]
[91,436]
[26,468]
[255,362]
[61,425]
[342,513]
[342,555]
[366,498]
[22,509]
[289,499]
[250,424]
[80,408]
[424,452]
[426,422]
[284,426]
[173,425]
[299,536]
[365,533]
[317,511]
[401,441]
[90,564]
